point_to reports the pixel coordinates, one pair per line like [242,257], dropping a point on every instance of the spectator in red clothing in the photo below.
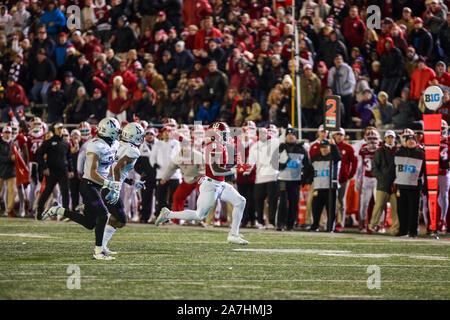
[129,80]
[442,76]
[117,100]
[322,73]
[354,28]
[420,79]
[194,11]
[203,35]
[263,49]
[347,170]
[16,99]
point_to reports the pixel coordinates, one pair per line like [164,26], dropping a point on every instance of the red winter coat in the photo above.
[349,162]
[420,81]
[15,96]
[444,79]
[117,105]
[202,37]
[354,30]
[129,80]
[193,11]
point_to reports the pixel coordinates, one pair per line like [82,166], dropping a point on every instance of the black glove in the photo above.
[156,166]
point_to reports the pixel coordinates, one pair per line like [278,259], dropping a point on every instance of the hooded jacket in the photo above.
[343,82]
[58,19]
[391,61]
[6,21]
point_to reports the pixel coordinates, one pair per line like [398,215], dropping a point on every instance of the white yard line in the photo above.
[229,280]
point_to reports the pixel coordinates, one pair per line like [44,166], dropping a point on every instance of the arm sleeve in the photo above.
[335,154]
[40,155]
[376,164]
[153,155]
[81,160]
[308,171]
[173,165]
[69,160]
[354,161]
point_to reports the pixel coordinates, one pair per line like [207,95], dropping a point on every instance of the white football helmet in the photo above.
[219,132]
[373,139]
[36,127]
[144,124]
[15,129]
[109,128]
[133,133]
[444,128]
[85,130]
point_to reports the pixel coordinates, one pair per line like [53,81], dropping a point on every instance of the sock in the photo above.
[98,249]
[237,217]
[184,215]
[109,231]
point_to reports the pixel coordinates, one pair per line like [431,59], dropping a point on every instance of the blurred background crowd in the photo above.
[226,60]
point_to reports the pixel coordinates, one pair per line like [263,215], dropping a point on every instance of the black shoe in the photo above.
[279,229]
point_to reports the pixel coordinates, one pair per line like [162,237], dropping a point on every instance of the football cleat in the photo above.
[237,240]
[107,251]
[163,216]
[55,210]
[442,226]
[79,208]
[102,256]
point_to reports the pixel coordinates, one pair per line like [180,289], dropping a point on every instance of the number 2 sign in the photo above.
[332,113]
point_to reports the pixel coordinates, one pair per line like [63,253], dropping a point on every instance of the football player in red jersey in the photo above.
[368,183]
[444,176]
[21,141]
[213,186]
[36,136]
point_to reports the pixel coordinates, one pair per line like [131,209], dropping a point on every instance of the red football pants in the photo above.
[180,195]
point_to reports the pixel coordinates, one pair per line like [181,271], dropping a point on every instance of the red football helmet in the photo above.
[219,132]
[85,130]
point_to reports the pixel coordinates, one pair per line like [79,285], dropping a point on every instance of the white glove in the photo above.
[139,184]
[112,197]
[112,185]
[284,157]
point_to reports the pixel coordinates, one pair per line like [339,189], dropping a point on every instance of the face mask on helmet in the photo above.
[444,129]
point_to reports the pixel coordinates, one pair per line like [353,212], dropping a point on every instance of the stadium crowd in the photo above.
[230,61]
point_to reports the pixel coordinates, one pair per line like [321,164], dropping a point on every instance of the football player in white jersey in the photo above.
[100,155]
[213,185]
[127,154]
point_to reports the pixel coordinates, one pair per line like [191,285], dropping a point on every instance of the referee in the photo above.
[54,159]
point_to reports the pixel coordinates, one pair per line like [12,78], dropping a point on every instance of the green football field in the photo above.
[186,262]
